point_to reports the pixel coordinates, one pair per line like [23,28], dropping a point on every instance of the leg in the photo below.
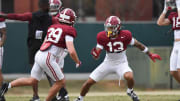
[86,86]
[176,75]
[98,74]
[129,78]
[31,52]
[125,72]
[54,89]
[24,82]
[1,78]
[63,93]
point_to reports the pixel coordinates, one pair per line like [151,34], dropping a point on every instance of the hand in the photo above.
[78,64]
[154,57]
[95,53]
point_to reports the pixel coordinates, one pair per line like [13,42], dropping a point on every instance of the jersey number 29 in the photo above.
[54,34]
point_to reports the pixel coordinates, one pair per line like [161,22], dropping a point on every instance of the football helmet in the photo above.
[67,16]
[171,4]
[112,25]
[55,6]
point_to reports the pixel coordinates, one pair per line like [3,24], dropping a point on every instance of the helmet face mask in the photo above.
[171,4]
[112,26]
[55,6]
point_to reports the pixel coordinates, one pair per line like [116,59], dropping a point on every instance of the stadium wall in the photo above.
[147,73]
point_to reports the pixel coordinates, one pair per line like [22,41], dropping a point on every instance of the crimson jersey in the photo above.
[116,45]
[175,21]
[57,32]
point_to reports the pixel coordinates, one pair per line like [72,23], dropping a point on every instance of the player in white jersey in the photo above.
[2,40]
[175,54]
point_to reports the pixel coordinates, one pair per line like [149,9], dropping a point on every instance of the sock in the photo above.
[81,97]
[129,90]
[9,86]
[63,92]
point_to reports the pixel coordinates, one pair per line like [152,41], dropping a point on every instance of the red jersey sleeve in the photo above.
[72,32]
[100,39]
[170,17]
[2,19]
[22,17]
[128,35]
[55,20]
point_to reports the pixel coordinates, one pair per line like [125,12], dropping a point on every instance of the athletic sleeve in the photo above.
[22,17]
[132,42]
[2,25]
[55,20]
[69,38]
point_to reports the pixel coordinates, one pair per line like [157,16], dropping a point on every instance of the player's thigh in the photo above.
[52,68]
[178,59]
[173,59]
[37,72]
[60,62]
[101,71]
[122,69]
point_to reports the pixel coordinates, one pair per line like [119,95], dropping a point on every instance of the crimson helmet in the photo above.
[114,24]
[171,4]
[67,16]
[55,6]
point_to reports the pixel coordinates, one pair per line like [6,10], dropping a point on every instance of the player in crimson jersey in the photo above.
[59,37]
[2,40]
[55,8]
[173,20]
[114,41]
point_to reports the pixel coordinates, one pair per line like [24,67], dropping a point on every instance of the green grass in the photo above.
[102,91]
[106,98]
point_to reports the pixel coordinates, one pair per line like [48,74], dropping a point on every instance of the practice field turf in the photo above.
[103,98]
[103,91]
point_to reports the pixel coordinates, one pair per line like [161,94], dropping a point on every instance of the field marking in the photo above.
[153,93]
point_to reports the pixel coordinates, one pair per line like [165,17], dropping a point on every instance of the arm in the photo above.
[162,21]
[72,52]
[3,32]
[21,17]
[144,49]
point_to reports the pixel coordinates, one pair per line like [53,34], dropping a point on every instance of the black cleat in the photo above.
[35,98]
[133,96]
[4,89]
[2,98]
[65,98]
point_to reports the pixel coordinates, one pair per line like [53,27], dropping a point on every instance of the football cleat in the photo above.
[65,98]
[35,98]
[4,89]
[133,96]
[2,98]
[78,99]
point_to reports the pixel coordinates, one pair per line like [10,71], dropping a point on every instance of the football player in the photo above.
[59,37]
[114,41]
[38,23]
[55,8]
[173,20]
[2,40]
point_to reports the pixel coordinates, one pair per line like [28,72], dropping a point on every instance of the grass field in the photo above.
[103,91]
